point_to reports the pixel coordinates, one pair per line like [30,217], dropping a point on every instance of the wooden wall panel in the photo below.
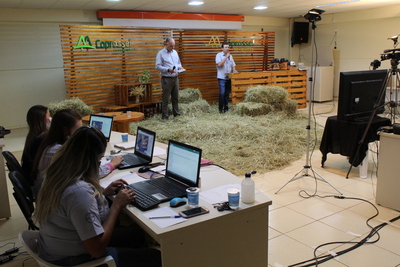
[91,73]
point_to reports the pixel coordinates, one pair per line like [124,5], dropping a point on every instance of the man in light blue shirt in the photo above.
[169,64]
[225,64]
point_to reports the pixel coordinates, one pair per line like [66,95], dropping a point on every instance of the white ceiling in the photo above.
[276,8]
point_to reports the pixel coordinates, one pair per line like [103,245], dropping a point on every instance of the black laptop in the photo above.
[103,123]
[182,171]
[144,148]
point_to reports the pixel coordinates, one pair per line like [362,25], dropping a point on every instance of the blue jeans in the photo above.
[224,91]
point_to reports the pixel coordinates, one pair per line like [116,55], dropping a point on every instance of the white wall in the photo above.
[361,37]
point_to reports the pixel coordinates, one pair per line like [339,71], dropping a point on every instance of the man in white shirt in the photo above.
[168,63]
[225,64]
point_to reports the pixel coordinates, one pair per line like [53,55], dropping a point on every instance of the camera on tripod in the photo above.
[391,54]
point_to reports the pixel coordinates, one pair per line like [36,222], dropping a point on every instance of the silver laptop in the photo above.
[182,171]
[103,123]
[144,148]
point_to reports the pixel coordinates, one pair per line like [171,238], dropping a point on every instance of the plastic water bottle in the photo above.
[248,188]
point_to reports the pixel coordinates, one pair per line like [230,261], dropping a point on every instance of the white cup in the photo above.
[129,113]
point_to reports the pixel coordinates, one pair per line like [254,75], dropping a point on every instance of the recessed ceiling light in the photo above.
[196,3]
[339,3]
[260,7]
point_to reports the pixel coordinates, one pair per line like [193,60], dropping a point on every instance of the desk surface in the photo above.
[120,117]
[216,238]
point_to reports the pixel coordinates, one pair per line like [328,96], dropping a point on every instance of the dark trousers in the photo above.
[128,248]
[170,87]
[224,91]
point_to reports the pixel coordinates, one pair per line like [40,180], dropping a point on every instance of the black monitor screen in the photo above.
[359,93]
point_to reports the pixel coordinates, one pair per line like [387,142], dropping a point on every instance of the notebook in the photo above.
[103,123]
[182,171]
[144,148]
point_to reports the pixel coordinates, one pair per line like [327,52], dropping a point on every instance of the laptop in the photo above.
[144,148]
[103,123]
[182,171]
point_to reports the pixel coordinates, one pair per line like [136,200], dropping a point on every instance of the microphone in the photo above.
[254,65]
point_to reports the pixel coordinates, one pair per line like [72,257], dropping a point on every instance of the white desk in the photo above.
[228,238]
[5,211]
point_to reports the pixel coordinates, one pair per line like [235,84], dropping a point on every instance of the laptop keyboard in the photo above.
[168,187]
[131,159]
[144,201]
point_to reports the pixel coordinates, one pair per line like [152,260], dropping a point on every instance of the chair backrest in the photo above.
[13,165]
[11,162]
[28,239]
[24,197]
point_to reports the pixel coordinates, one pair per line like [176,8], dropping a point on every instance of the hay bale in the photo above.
[189,95]
[253,109]
[74,103]
[289,106]
[266,94]
[195,107]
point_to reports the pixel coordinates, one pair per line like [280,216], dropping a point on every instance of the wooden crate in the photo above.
[294,82]
[122,97]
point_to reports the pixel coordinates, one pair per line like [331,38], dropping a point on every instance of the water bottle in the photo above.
[248,188]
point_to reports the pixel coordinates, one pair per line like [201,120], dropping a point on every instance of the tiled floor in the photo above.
[297,224]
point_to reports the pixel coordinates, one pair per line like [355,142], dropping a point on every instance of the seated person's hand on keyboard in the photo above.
[114,187]
[115,161]
[124,197]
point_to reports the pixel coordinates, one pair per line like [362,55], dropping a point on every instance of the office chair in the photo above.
[24,197]
[13,165]
[28,239]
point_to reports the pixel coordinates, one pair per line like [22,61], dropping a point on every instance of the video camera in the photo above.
[3,132]
[391,54]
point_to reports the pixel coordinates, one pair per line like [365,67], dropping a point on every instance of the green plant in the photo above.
[145,77]
[74,103]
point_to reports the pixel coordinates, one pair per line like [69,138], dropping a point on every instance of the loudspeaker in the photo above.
[300,32]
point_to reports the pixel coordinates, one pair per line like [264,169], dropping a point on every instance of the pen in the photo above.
[166,216]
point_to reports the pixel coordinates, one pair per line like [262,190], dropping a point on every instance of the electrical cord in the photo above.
[374,231]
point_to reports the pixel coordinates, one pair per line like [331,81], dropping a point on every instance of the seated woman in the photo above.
[76,223]
[38,119]
[64,124]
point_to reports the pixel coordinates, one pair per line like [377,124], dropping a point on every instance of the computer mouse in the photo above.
[177,202]
[144,169]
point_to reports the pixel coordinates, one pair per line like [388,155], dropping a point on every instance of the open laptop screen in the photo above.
[144,144]
[103,123]
[183,163]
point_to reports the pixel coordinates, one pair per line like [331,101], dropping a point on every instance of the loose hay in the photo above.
[239,144]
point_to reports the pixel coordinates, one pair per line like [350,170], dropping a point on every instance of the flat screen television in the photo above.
[359,92]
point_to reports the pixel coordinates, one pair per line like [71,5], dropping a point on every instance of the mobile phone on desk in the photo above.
[194,212]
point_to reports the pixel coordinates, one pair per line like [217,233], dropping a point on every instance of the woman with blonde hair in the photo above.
[76,223]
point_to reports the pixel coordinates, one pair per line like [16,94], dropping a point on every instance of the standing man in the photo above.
[225,64]
[168,63]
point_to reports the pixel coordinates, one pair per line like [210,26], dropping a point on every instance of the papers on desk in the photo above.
[125,145]
[164,222]
[218,194]
[127,176]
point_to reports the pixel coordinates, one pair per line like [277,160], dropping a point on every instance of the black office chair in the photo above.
[24,197]
[13,165]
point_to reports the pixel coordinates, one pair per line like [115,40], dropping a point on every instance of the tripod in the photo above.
[392,77]
[304,172]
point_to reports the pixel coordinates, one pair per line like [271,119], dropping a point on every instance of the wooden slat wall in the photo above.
[197,50]
[91,74]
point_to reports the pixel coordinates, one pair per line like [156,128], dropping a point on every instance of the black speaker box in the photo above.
[300,32]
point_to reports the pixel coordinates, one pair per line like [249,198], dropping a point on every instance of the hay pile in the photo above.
[73,103]
[191,101]
[261,100]
[237,143]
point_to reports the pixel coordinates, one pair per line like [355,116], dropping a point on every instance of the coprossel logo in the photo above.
[84,42]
